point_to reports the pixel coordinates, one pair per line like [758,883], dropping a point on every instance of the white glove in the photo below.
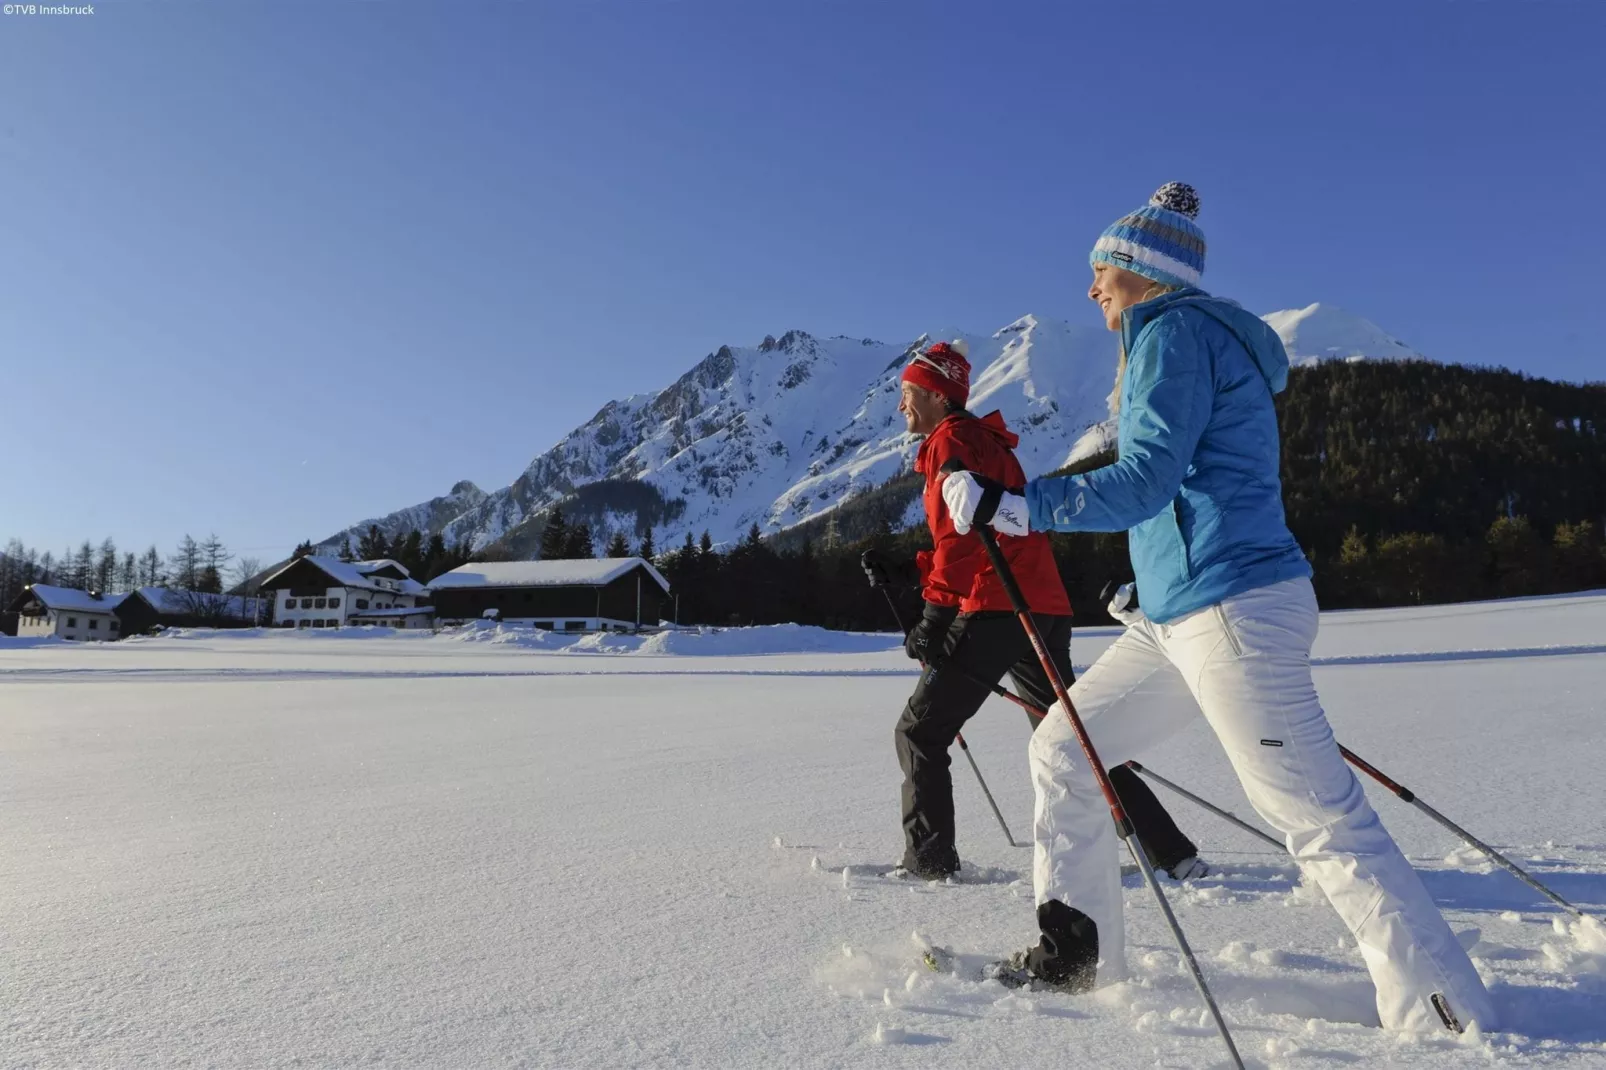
[963,493]
[1119,603]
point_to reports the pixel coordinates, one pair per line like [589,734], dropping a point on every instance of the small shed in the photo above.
[608,594]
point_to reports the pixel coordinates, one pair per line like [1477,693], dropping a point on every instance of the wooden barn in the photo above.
[168,607]
[587,595]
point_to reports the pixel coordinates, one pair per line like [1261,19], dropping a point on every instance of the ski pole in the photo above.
[1406,795]
[876,571]
[1123,825]
[872,569]
[1226,815]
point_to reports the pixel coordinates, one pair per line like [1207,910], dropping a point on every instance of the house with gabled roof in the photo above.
[584,595]
[67,613]
[171,607]
[326,592]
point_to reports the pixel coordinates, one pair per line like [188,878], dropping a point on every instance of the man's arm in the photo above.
[955,558]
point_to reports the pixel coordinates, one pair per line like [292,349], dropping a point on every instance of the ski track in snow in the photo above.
[472,853]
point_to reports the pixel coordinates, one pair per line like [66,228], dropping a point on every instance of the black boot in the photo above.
[1065,957]
[932,866]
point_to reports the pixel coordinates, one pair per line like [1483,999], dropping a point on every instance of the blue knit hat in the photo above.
[1159,241]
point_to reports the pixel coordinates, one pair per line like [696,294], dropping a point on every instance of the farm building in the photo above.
[66,612]
[326,592]
[607,594]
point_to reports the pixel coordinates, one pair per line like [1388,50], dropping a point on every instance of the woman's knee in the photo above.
[1054,748]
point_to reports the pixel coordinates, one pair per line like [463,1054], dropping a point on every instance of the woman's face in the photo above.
[1116,289]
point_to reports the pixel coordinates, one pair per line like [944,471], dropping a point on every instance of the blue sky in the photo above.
[274,267]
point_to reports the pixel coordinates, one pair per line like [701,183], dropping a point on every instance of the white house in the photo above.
[326,592]
[67,613]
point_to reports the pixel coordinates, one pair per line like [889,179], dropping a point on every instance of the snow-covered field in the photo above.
[488,849]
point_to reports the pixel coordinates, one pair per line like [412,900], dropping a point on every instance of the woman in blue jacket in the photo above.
[1228,620]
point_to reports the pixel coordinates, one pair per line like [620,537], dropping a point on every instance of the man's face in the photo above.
[922,409]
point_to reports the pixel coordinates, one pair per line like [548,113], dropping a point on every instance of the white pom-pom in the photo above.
[1177,197]
[960,346]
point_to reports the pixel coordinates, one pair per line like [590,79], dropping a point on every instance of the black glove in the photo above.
[924,641]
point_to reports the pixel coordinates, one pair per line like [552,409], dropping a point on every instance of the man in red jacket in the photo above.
[969,633]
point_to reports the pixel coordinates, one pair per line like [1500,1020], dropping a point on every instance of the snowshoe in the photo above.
[1191,868]
[1017,972]
[933,871]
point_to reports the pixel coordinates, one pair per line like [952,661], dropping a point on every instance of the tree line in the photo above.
[204,566]
[423,556]
[1406,483]
[754,583]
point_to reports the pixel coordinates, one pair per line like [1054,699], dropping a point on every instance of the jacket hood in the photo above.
[962,421]
[993,423]
[1252,332]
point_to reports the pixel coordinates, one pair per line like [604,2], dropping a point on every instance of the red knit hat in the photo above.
[942,367]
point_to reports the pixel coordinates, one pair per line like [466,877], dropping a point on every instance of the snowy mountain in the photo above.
[1324,332]
[785,431]
[428,517]
[780,432]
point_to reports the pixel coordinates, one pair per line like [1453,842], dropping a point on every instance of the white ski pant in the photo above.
[1245,664]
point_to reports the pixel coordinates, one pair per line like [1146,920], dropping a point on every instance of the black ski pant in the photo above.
[986,645]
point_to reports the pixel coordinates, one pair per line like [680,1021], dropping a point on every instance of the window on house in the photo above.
[287,624]
[334,603]
[303,623]
[320,603]
[362,603]
[574,625]
[94,624]
[111,626]
[72,622]
[289,601]
[306,603]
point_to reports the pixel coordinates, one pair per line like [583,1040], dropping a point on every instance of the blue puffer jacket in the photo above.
[1197,481]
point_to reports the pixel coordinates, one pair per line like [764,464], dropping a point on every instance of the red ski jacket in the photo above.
[956,571]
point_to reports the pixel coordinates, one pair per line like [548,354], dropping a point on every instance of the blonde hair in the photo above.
[1156,289]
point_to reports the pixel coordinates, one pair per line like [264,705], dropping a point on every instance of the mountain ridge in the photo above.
[783,432]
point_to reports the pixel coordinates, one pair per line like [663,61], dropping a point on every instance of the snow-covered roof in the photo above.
[583,572]
[356,574]
[71,598]
[179,602]
[366,567]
